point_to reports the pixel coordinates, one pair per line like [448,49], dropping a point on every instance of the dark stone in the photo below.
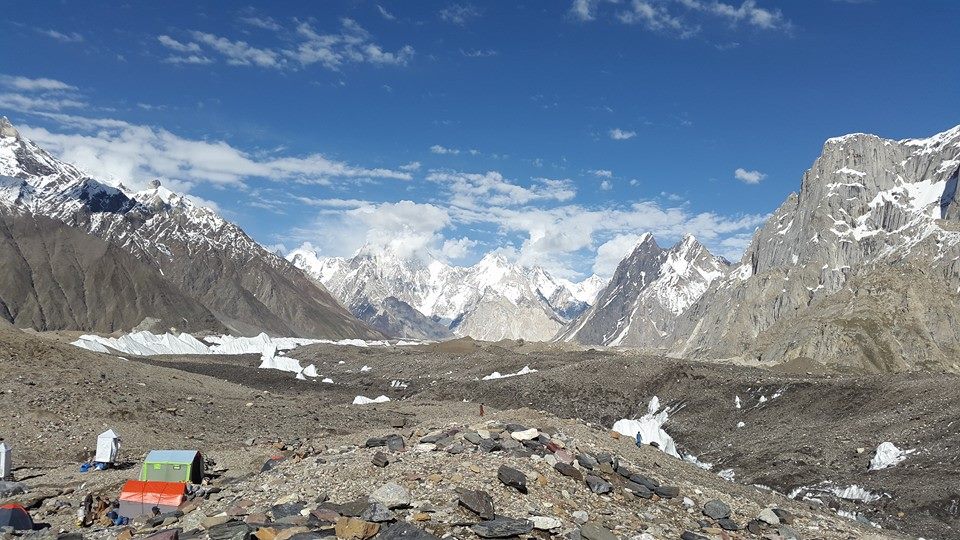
[716,509]
[592,531]
[374,442]
[587,461]
[624,472]
[312,535]
[755,526]
[398,422]
[502,527]
[472,437]
[377,513]
[604,457]
[490,445]
[170,534]
[536,447]
[404,531]
[687,535]
[380,460]
[785,516]
[231,530]
[513,478]
[639,490]
[667,492]
[514,427]
[446,441]
[456,448]
[510,444]
[354,508]
[728,524]
[568,470]
[478,502]
[598,485]
[646,481]
[395,443]
[281,511]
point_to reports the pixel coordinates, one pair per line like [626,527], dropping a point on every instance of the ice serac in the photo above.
[858,270]
[207,258]
[422,297]
[649,289]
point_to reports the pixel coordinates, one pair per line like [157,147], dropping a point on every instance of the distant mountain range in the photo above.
[182,264]
[859,270]
[423,297]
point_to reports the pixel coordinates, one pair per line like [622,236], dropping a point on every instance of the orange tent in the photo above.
[137,498]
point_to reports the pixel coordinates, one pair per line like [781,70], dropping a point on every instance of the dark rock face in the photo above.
[56,277]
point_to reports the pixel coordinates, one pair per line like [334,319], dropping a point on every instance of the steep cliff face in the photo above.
[859,268]
[649,289]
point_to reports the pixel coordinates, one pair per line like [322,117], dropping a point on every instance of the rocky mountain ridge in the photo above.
[650,287]
[860,269]
[245,286]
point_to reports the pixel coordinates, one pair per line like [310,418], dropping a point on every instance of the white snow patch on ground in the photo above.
[854,493]
[736,402]
[498,375]
[740,424]
[888,455]
[327,380]
[398,384]
[727,474]
[365,368]
[363,400]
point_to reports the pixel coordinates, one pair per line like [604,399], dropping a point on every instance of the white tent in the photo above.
[108,444]
[5,464]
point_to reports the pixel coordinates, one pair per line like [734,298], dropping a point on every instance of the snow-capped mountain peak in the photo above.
[650,285]
[530,303]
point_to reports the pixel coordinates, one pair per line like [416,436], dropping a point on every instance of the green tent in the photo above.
[173,466]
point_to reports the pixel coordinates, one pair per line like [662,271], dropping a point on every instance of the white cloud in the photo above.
[175,45]
[618,134]
[611,252]
[438,149]
[34,85]
[385,14]
[264,23]
[582,9]
[602,173]
[352,44]
[239,53]
[118,151]
[410,167]
[459,13]
[66,37]
[684,18]
[748,177]
[472,190]
[300,47]
[606,185]
[332,203]
[478,53]
[457,248]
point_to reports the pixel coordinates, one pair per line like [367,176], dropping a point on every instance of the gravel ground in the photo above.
[808,434]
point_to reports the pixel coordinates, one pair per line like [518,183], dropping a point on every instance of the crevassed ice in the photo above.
[888,455]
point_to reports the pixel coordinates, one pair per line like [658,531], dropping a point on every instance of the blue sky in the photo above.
[555,132]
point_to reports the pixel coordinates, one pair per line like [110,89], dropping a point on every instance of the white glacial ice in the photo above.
[888,455]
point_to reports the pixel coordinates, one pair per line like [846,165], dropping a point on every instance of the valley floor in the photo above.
[807,435]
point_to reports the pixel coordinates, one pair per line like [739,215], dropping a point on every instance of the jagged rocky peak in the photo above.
[649,288]
[7,129]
